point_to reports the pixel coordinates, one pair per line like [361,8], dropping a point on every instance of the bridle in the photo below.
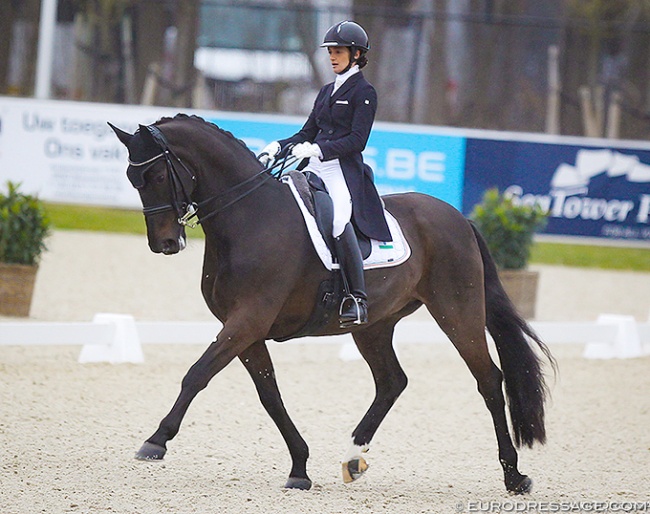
[181,198]
[181,201]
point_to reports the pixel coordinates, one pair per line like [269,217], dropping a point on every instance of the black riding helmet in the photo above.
[347,33]
[351,35]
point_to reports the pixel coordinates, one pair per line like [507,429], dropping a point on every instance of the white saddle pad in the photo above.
[383,254]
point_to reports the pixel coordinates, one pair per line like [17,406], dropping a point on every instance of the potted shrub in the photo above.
[508,229]
[24,225]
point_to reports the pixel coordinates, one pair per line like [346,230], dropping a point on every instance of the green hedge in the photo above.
[24,225]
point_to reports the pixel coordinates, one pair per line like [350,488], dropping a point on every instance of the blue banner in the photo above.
[418,161]
[587,190]
[402,160]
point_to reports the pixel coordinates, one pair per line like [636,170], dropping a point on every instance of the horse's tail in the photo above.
[521,366]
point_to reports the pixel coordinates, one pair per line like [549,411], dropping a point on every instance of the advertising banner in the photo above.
[587,190]
[403,158]
[65,151]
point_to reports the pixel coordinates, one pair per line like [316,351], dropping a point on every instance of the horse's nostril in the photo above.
[169,246]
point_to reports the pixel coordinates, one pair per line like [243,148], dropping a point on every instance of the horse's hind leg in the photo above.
[375,344]
[258,363]
[469,339]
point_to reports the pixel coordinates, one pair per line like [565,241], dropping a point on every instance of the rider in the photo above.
[332,140]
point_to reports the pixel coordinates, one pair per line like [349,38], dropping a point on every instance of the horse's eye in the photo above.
[159,178]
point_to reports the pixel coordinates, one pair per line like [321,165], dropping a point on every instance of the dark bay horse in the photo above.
[261,275]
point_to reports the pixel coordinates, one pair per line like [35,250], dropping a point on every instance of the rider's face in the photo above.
[339,58]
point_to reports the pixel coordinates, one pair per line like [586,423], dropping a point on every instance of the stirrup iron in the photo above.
[360,312]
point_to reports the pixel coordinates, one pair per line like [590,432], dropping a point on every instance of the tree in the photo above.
[11,13]
[7,17]
[187,20]
[114,40]
[397,37]
[607,46]
[149,21]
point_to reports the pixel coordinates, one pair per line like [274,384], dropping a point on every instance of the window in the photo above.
[254,27]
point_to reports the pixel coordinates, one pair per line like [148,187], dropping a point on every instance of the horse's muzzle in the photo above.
[169,246]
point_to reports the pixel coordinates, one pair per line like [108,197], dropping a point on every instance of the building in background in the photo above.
[465,63]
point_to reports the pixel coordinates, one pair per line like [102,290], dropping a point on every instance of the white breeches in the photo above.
[332,174]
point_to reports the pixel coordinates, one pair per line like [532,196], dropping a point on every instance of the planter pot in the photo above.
[521,286]
[16,288]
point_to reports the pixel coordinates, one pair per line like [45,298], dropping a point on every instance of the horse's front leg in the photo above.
[217,356]
[257,361]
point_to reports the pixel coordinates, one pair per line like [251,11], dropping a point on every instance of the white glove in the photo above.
[269,152]
[306,150]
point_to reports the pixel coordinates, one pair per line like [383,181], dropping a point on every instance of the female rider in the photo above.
[332,140]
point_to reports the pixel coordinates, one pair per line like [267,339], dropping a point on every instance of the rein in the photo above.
[181,201]
[266,174]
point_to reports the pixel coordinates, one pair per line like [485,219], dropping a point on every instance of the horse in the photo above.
[261,276]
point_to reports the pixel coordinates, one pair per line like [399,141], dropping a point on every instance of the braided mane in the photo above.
[208,124]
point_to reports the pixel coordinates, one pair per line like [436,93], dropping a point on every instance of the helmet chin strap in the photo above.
[352,62]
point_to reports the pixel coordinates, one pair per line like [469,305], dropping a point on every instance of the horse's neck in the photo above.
[233,231]
[223,166]
[229,182]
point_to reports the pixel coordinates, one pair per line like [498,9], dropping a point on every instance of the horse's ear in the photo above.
[124,137]
[146,135]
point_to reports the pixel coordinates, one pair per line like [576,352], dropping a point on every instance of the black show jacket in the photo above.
[340,124]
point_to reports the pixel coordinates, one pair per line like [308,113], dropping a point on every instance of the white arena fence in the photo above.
[118,338]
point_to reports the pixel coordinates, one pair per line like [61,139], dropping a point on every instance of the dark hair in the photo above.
[362,60]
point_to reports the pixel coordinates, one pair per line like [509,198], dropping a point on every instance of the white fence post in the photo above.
[124,345]
[625,345]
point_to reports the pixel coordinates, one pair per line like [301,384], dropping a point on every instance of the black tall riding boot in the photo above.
[354,307]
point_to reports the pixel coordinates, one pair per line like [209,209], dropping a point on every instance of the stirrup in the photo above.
[357,314]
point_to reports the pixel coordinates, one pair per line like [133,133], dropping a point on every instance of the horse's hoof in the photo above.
[524,487]
[303,484]
[150,451]
[353,469]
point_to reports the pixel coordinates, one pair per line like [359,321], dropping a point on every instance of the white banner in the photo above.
[65,151]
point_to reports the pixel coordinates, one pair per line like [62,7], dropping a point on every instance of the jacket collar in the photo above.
[346,86]
[341,78]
